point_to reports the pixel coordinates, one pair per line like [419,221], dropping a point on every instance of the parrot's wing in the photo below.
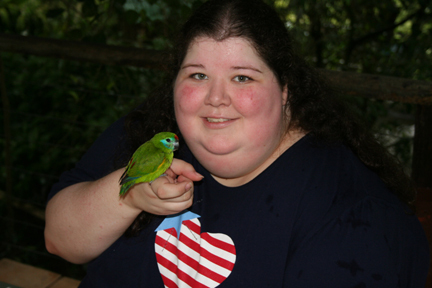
[147,164]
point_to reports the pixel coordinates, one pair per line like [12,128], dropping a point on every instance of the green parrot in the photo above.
[149,161]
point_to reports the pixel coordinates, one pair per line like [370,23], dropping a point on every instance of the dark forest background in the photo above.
[53,109]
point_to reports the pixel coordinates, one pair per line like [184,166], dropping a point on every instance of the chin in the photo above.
[225,166]
[216,162]
[220,147]
[215,150]
[225,174]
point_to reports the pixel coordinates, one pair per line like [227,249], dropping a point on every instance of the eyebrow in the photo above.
[246,68]
[192,65]
[233,68]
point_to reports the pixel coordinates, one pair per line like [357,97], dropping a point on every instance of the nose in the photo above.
[218,94]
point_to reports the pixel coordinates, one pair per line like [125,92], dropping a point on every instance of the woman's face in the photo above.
[229,108]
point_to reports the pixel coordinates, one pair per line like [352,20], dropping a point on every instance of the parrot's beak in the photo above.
[176,146]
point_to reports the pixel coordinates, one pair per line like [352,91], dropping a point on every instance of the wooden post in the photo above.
[422,155]
[10,231]
[422,171]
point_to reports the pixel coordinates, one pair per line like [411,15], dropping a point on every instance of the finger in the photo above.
[170,208]
[170,173]
[174,192]
[182,178]
[185,197]
[162,180]
[180,167]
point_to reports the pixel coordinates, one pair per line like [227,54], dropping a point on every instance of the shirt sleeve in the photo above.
[372,244]
[98,161]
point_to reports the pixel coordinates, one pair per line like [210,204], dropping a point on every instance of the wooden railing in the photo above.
[17,275]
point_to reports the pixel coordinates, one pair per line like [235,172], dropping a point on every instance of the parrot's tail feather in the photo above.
[125,187]
[123,176]
[125,180]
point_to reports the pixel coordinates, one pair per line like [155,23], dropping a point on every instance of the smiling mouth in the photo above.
[217,120]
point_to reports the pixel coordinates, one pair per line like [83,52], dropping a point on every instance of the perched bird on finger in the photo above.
[149,161]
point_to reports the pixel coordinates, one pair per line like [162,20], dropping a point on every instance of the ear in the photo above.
[285,108]
[285,95]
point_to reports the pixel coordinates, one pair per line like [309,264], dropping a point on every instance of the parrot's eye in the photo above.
[168,140]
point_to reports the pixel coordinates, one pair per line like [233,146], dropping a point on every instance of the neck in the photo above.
[287,141]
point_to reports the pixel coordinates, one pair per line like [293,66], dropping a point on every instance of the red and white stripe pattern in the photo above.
[194,260]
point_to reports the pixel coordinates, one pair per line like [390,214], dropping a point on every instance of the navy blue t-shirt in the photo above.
[317,217]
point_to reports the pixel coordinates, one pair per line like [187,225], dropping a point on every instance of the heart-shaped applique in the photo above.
[194,259]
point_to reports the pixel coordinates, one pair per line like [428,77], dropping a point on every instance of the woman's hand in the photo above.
[166,195]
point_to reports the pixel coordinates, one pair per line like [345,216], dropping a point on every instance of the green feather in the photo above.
[149,161]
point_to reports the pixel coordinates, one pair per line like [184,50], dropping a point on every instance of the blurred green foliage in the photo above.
[389,37]
[59,107]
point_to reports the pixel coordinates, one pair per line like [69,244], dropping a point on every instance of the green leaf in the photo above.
[74,95]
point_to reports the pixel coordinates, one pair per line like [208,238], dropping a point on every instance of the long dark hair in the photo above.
[312,105]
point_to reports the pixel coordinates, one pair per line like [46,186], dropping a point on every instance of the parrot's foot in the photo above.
[162,175]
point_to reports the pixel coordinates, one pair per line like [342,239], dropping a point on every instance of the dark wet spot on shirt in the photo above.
[352,266]
[269,199]
[360,285]
[376,277]
[271,208]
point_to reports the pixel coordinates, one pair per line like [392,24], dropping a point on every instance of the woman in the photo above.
[289,191]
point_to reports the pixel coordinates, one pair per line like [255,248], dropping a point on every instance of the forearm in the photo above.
[86,218]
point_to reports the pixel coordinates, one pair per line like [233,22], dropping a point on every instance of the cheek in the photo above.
[187,102]
[263,110]
[186,99]
[258,103]
[247,101]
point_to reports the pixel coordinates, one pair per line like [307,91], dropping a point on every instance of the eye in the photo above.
[199,76]
[168,140]
[242,78]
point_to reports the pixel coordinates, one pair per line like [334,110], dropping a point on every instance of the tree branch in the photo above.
[381,87]
[364,85]
[80,51]
[376,33]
